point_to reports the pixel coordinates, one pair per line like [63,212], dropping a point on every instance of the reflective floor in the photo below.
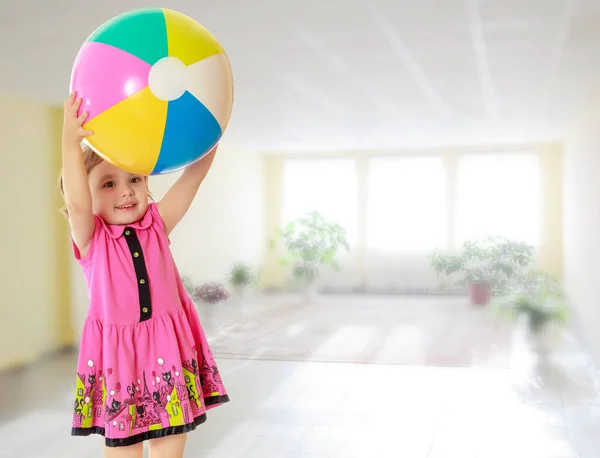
[427,383]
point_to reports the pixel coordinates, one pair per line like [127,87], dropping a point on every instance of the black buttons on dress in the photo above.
[137,256]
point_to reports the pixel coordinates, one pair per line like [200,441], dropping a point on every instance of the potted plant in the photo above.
[311,242]
[211,293]
[484,266]
[206,295]
[538,303]
[241,277]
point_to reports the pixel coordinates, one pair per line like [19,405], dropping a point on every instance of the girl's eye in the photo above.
[109,184]
[135,180]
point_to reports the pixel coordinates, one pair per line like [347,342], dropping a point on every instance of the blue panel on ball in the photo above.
[190,132]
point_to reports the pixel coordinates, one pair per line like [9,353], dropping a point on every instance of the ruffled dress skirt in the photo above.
[146,380]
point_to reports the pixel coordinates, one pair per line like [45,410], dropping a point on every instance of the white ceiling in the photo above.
[315,75]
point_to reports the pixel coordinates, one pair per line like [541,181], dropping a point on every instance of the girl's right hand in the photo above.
[73,131]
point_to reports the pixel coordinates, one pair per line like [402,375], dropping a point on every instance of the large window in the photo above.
[406,204]
[324,185]
[412,204]
[498,194]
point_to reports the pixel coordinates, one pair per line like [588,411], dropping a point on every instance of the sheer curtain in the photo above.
[498,194]
[407,219]
[328,186]
[413,204]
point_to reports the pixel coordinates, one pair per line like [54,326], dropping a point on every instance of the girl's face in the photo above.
[118,197]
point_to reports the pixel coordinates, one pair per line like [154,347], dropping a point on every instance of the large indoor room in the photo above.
[300,229]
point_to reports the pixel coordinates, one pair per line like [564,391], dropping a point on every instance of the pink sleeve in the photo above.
[97,228]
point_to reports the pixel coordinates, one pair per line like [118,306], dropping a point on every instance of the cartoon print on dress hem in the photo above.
[170,398]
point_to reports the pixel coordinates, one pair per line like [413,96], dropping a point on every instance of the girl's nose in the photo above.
[127,191]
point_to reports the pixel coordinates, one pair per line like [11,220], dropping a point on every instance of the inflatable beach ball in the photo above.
[158,88]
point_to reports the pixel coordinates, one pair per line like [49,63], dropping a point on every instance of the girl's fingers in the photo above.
[82,117]
[74,104]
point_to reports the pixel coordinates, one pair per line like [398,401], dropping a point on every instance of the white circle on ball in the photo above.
[167,78]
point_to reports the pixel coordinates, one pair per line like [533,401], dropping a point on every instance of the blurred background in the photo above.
[452,148]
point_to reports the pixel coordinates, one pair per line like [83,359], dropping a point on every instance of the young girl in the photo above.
[145,370]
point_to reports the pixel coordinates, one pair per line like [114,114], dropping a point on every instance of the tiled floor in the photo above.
[416,330]
[499,400]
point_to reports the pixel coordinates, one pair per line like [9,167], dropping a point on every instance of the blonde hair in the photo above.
[91,159]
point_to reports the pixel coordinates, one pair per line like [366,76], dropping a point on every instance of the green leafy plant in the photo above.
[312,242]
[539,298]
[493,262]
[243,275]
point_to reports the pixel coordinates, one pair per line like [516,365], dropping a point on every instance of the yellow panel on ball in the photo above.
[132,131]
[187,40]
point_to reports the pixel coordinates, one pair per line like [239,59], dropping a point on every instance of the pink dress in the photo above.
[145,369]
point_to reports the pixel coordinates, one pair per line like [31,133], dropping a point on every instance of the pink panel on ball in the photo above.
[104,76]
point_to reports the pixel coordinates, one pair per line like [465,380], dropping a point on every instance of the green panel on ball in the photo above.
[141,32]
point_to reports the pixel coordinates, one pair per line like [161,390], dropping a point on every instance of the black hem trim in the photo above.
[155,434]
[211,401]
[147,435]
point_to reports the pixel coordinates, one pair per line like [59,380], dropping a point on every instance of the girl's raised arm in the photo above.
[75,185]
[179,197]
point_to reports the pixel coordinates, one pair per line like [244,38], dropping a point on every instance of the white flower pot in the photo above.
[542,341]
[546,340]
[310,293]
[239,294]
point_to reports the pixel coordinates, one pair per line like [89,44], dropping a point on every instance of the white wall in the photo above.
[224,224]
[226,221]
[582,223]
